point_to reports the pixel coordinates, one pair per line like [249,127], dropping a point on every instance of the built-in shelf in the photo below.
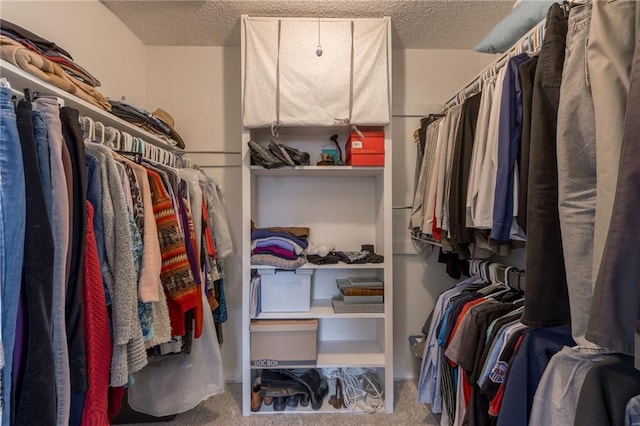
[320,308]
[20,80]
[345,205]
[319,171]
[350,353]
[331,266]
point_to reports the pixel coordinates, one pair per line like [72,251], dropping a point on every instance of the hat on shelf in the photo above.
[167,119]
[163,116]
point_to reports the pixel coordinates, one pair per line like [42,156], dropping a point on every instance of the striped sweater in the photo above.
[177,279]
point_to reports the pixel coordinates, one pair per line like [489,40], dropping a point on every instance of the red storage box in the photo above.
[367,150]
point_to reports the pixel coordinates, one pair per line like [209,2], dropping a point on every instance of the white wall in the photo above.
[200,88]
[423,80]
[95,37]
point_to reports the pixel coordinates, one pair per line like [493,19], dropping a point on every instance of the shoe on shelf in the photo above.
[304,399]
[267,400]
[313,381]
[279,403]
[256,395]
[292,400]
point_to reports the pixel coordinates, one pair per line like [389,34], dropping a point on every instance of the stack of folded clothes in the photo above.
[281,247]
[49,62]
[158,122]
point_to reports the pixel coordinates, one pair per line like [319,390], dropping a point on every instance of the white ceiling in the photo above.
[417,24]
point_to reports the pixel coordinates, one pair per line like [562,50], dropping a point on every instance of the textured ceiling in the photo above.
[418,24]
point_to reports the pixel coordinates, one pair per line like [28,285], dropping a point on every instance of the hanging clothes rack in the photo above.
[530,43]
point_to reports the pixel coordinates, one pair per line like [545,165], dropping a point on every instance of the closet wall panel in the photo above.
[422,81]
[96,38]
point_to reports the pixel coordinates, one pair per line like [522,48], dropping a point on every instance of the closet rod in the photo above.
[219,166]
[527,43]
[212,152]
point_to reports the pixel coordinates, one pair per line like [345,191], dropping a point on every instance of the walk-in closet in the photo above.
[319,212]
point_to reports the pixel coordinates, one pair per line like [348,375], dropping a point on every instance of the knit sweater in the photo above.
[177,280]
[129,354]
[97,334]
[149,284]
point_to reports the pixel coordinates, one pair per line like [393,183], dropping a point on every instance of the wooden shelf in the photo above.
[20,79]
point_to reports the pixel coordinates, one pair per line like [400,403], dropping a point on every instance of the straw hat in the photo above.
[163,116]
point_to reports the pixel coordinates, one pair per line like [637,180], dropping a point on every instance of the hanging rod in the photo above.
[211,152]
[526,43]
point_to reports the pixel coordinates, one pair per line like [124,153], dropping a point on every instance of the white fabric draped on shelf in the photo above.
[286,82]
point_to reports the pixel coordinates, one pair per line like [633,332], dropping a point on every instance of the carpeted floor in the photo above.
[226,409]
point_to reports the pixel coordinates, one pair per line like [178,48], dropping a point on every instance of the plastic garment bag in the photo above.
[177,383]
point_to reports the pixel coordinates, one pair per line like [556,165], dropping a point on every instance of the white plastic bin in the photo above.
[285,291]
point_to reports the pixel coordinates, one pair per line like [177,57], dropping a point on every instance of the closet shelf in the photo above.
[326,408]
[320,308]
[332,266]
[21,80]
[350,353]
[319,171]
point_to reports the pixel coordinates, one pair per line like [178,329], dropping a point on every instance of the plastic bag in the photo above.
[178,383]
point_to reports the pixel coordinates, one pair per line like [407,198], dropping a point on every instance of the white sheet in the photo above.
[259,106]
[371,73]
[315,90]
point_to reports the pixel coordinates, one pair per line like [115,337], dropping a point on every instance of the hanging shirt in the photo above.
[430,373]
[479,150]
[509,135]
[489,167]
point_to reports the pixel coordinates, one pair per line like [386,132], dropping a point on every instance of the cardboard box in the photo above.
[285,291]
[283,343]
[367,150]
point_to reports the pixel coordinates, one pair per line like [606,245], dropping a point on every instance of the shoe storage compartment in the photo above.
[283,343]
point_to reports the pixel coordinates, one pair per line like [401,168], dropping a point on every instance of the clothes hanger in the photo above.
[127,142]
[113,136]
[88,127]
[493,272]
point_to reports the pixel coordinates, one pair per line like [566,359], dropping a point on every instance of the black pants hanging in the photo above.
[547,301]
[35,397]
[74,312]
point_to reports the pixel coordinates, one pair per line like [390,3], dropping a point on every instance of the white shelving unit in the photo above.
[344,205]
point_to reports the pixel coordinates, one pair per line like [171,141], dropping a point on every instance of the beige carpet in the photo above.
[226,409]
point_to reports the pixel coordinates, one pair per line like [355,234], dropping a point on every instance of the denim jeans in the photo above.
[12,229]
[60,230]
[609,55]
[547,301]
[577,171]
[614,310]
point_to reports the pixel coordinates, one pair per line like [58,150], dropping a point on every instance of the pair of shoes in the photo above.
[256,395]
[263,157]
[312,380]
[279,403]
[289,155]
[282,390]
